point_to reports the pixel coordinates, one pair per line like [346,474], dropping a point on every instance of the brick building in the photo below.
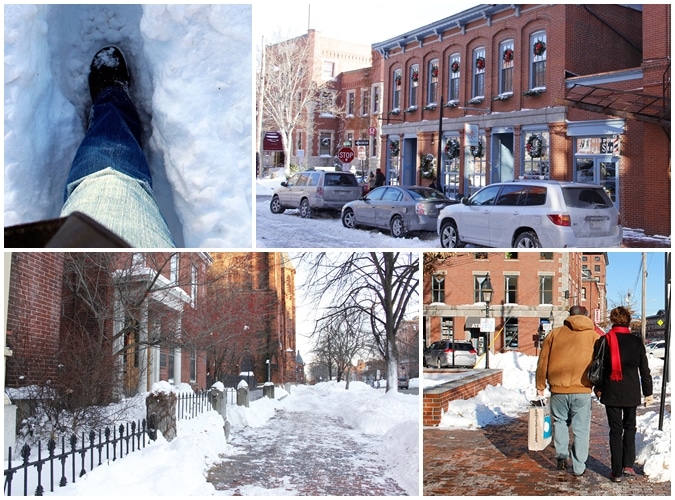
[532,293]
[121,313]
[567,92]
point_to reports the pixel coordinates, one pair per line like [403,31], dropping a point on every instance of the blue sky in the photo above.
[624,275]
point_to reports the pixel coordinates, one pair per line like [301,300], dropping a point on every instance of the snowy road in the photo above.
[308,448]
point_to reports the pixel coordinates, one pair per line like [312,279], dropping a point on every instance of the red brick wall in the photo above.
[435,401]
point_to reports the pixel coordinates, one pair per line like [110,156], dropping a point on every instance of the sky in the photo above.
[362,22]
[624,275]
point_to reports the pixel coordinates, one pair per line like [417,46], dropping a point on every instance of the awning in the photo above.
[472,322]
[272,142]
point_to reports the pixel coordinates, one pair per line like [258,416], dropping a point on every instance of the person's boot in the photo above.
[108,69]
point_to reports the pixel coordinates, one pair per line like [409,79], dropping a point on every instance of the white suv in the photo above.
[532,214]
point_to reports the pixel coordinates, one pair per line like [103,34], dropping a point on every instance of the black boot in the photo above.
[108,69]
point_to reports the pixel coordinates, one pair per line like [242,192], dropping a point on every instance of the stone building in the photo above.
[532,293]
[567,92]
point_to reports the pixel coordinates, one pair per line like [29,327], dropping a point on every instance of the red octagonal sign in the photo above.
[346,155]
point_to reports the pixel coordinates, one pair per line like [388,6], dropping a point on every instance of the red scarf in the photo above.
[614,354]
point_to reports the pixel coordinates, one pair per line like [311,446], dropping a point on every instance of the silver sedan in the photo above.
[400,209]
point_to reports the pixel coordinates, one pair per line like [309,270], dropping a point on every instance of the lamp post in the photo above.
[486,295]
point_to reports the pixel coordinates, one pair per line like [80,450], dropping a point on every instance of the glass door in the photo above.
[599,169]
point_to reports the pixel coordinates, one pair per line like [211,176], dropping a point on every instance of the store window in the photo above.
[535,156]
[475,165]
[538,60]
[454,79]
[506,67]
[478,90]
[511,334]
[413,84]
[432,89]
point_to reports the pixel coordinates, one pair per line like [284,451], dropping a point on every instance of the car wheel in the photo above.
[527,239]
[449,235]
[348,218]
[305,209]
[397,226]
[275,206]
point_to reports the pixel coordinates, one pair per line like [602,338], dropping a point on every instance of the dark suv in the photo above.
[315,190]
[450,353]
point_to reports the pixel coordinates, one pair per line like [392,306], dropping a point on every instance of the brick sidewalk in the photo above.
[495,461]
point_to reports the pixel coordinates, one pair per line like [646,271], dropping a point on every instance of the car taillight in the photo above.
[420,209]
[448,350]
[472,351]
[560,219]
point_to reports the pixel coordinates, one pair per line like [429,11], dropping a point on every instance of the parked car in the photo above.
[656,349]
[315,190]
[403,381]
[400,209]
[450,353]
[532,214]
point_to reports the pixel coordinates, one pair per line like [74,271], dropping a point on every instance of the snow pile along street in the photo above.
[191,82]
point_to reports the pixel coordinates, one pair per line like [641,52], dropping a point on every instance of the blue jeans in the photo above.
[572,410]
[110,179]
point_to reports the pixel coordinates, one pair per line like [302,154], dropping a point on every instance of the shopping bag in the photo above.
[540,428]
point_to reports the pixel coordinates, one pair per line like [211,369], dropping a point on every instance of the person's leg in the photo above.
[615,421]
[559,414]
[580,413]
[629,429]
[113,140]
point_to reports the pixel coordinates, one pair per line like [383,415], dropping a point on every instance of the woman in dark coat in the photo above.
[626,369]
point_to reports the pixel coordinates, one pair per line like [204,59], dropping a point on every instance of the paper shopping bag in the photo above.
[539,429]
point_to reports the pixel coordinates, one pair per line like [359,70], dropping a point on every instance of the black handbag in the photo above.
[595,371]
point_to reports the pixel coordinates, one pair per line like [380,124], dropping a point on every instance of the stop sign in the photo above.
[346,155]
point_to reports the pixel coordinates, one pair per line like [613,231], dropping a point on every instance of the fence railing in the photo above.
[84,454]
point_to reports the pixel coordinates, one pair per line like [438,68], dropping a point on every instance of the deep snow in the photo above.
[192,84]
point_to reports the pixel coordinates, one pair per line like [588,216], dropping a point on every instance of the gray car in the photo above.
[315,190]
[400,209]
[450,353]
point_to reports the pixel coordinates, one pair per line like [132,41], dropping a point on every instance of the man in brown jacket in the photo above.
[565,356]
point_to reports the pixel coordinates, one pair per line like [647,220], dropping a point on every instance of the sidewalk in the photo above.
[495,461]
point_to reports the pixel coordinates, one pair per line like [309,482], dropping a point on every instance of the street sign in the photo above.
[372,131]
[361,150]
[346,155]
[487,325]
[362,142]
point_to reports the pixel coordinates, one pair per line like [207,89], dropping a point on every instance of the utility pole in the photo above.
[643,330]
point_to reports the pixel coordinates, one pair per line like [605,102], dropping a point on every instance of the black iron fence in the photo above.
[76,458]
[191,405]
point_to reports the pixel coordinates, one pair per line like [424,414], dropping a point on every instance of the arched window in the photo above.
[478,89]
[454,77]
[506,62]
[538,51]
[396,89]
[414,83]
[432,86]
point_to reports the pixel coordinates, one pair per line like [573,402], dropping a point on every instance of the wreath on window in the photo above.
[454,67]
[415,75]
[534,146]
[508,55]
[452,148]
[397,79]
[480,63]
[393,148]
[434,71]
[325,142]
[428,166]
[539,47]
[477,151]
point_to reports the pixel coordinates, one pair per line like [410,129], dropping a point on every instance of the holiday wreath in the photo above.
[534,146]
[428,166]
[393,147]
[452,148]
[477,151]
[539,47]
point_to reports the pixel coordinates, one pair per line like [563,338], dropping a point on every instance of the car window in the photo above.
[392,194]
[534,196]
[485,196]
[335,179]
[375,194]
[510,195]
[293,180]
[313,179]
[585,197]
[302,181]
[425,194]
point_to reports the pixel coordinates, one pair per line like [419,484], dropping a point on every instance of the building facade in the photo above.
[566,92]
[532,293]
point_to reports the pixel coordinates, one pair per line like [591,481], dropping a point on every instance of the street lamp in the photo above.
[486,295]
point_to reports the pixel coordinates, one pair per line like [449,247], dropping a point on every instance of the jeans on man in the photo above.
[572,410]
[110,179]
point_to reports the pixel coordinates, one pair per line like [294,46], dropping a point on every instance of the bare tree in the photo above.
[379,285]
[292,90]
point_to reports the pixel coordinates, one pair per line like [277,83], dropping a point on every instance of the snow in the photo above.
[497,404]
[192,85]
[179,467]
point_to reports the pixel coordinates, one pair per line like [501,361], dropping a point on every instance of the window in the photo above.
[432,89]
[174,268]
[414,83]
[546,255]
[538,60]
[583,293]
[455,73]
[447,328]
[349,139]
[365,102]
[376,100]
[511,289]
[193,285]
[324,143]
[327,102]
[396,95]
[438,288]
[511,333]
[351,102]
[536,154]
[478,73]
[506,67]
[328,70]
[477,286]
[546,289]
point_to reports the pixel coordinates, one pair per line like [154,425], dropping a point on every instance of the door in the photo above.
[409,168]
[502,159]
[602,170]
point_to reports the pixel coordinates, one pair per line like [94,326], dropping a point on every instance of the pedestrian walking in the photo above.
[563,362]
[379,178]
[626,371]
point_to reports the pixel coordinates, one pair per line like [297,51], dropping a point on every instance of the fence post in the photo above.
[10,425]
[242,394]
[161,404]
